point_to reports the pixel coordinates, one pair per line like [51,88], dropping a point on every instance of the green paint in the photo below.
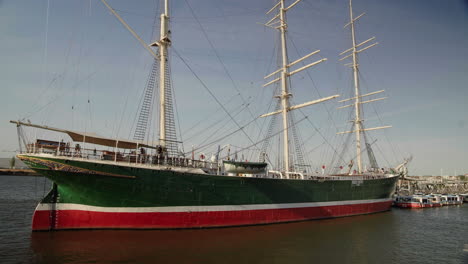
[167,188]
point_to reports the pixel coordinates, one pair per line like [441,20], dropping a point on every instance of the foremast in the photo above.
[279,22]
[164,42]
[164,81]
[358,122]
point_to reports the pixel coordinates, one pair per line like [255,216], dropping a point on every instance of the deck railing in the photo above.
[133,158]
[122,157]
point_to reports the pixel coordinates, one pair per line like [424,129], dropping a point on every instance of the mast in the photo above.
[358,128]
[357,120]
[279,22]
[163,44]
[284,86]
[166,129]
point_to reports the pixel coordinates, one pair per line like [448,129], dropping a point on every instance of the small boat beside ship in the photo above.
[465,197]
[413,201]
[450,199]
[435,200]
[425,201]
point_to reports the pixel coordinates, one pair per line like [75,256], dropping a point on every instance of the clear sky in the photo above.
[70,64]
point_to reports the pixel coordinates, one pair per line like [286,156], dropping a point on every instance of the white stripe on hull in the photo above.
[212,208]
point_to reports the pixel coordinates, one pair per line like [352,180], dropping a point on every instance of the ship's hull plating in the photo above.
[90,195]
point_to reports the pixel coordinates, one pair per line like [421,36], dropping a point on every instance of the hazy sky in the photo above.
[70,64]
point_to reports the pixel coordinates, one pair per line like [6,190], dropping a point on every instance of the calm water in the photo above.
[435,235]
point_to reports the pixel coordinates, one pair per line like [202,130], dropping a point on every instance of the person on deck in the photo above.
[62,147]
[77,150]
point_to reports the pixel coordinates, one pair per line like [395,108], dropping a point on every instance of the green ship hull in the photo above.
[105,194]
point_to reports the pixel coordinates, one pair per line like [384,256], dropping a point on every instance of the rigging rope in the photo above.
[330,116]
[220,61]
[258,142]
[212,125]
[392,147]
[36,107]
[221,127]
[223,137]
[142,97]
[207,118]
[274,119]
[177,113]
[212,95]
[154,67]
[318,131]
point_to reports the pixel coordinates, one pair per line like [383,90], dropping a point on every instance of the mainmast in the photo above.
[357,120]
[279,22]
[284,85]
[357,96]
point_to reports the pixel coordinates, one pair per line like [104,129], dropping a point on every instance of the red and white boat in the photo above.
[450,199]
[465,197]
[435,200]
[413,201]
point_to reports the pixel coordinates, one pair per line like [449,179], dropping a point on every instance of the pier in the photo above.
[19,172]
[433,184]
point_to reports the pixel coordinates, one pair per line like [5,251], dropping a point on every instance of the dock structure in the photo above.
[433,184]
[18,172]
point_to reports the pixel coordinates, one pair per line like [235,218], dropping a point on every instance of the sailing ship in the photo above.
[149,186]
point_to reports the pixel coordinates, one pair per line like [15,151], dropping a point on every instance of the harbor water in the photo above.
[434,235]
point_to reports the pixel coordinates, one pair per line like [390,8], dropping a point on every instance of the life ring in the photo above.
[202,157]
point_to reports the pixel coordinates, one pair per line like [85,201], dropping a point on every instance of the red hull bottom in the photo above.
[81,219]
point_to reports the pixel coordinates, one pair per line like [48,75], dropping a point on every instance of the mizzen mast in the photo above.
[279,22]
[357,96]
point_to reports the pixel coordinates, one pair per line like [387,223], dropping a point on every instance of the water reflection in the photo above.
[362,239]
